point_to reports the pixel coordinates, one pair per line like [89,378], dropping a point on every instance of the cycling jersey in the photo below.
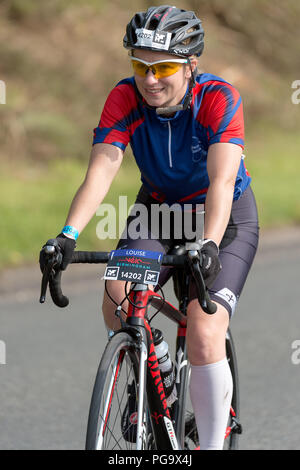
[171,152]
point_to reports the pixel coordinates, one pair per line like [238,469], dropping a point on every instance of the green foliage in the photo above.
[60,59]
[24,10]
[273,162]
[34,202]
[269,29]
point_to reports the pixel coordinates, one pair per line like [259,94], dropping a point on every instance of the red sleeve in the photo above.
[115,124]
[221,113]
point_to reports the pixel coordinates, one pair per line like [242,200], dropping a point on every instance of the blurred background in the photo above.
[60,59]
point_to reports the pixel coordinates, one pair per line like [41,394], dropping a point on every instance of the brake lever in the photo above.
[51,249]
[194,257]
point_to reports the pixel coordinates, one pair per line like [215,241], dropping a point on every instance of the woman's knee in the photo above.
[206,334]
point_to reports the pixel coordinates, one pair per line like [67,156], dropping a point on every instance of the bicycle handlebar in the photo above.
[52,272]
[98,257]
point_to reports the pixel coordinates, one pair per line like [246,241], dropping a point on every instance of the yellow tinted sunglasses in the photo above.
[161,68]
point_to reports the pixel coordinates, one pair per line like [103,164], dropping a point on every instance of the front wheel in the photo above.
[118,403]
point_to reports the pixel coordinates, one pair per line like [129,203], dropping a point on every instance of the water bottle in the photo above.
[165,366]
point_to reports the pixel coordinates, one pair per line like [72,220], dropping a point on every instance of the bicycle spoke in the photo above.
[112,435]
[120,400]
[107,406]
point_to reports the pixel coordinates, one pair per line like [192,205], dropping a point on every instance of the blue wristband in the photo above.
[69,230]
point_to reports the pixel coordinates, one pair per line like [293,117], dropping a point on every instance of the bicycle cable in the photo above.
[127,295]
[132,303]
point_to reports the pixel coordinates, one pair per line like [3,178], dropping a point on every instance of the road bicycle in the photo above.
[129,409]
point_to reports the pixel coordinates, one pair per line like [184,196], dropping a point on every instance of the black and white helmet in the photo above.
[166,29]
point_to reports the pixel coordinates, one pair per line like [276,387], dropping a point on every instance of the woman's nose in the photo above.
[150,77]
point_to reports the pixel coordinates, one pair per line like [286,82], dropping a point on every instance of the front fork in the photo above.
[141,437]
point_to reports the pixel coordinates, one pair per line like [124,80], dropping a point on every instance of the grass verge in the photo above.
[34,201]
[273,162]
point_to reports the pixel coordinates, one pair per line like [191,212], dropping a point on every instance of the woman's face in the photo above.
[162,92]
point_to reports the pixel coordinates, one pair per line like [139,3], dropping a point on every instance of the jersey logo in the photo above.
[199,153]
[227,295]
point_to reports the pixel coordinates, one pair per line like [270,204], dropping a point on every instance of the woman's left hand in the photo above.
[211,265]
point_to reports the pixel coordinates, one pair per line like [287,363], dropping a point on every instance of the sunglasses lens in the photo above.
[164,69]
[139,68]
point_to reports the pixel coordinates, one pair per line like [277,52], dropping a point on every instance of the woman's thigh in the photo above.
[237,252]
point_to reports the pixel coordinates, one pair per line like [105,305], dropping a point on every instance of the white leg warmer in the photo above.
[211,392]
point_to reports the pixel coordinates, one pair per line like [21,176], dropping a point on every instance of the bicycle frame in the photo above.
[162,421]
[137,325]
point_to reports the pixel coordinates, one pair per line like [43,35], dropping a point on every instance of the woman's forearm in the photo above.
[223,162]
[85,203]
[217,210]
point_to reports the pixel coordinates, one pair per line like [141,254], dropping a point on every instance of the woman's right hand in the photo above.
[67,246]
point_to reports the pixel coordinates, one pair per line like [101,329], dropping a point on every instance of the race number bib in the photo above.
[138,266]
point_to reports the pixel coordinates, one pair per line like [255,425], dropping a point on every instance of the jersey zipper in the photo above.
[170,145]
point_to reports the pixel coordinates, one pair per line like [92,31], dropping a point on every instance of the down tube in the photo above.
[162,426]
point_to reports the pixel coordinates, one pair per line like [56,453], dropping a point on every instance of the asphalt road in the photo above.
[52,355]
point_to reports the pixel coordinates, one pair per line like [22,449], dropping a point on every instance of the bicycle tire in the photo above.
[235,401]
[106,429]
[191,440]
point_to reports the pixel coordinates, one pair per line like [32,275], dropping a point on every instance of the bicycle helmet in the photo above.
[167,29]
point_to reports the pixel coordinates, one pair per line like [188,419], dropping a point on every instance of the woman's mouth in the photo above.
[153,91]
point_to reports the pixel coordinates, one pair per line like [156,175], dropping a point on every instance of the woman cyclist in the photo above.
[186,131]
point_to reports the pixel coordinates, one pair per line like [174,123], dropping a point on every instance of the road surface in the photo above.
[52,354]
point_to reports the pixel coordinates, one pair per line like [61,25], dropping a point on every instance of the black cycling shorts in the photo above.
[237,248]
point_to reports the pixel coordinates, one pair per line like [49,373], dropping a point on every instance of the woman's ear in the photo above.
[194,63]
